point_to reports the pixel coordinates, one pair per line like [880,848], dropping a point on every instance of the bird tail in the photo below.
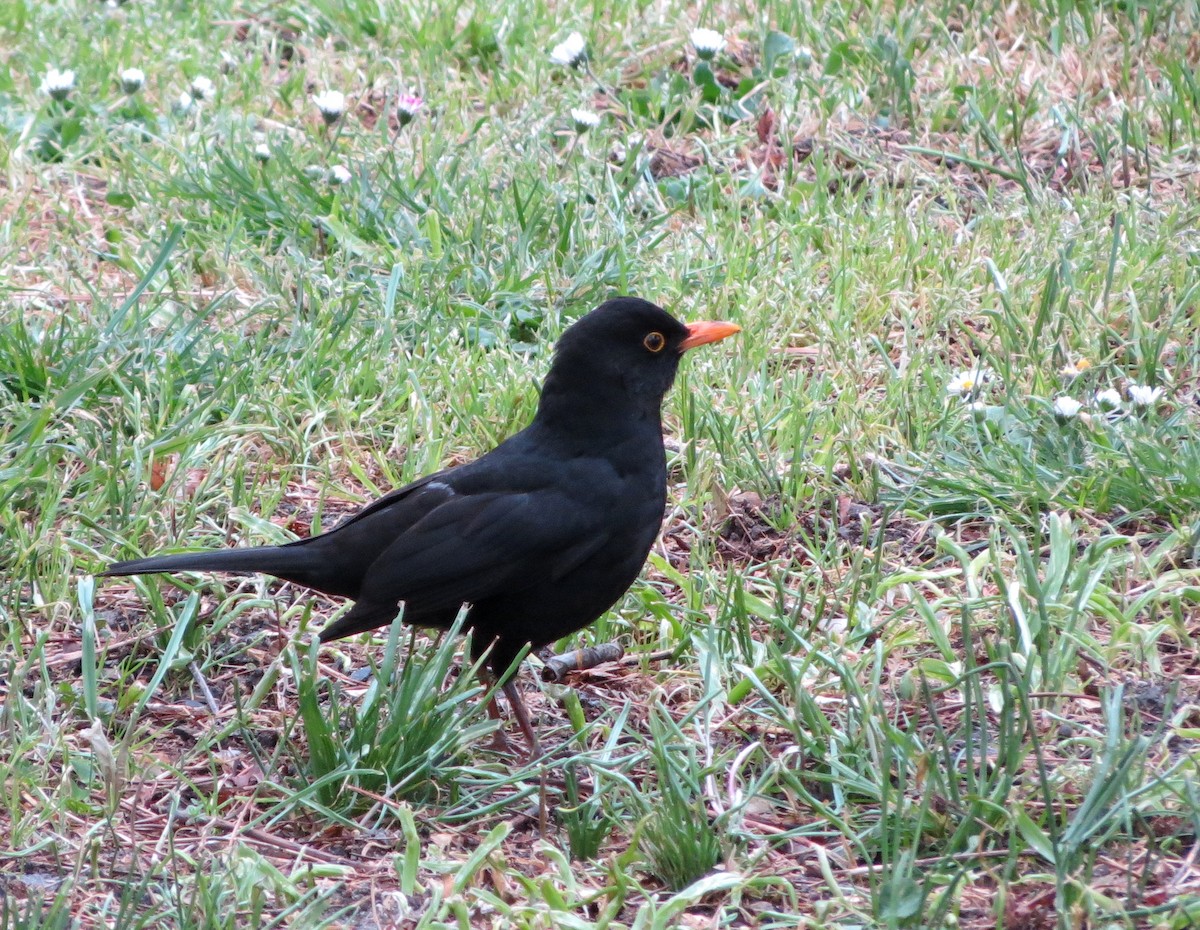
[286,562]
[363,616]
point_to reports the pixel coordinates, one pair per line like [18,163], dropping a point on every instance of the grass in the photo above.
[901,658]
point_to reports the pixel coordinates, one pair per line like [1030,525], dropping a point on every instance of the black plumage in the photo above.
[539,536]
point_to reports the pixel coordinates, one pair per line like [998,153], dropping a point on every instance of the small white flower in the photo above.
[407,108]
[202,89]
[58,84]
[1108,399]
[570,52]
[978,410]
[262,152]
[707,42]
[185,103]
[314,172]
[584,119]
[339,175]
[968,382]
[132,80]
[1066,408]
[1142,395]
[331,103]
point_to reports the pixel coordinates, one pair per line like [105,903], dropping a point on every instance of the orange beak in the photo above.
[703,333]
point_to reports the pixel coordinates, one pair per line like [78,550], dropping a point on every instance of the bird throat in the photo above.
[606,412]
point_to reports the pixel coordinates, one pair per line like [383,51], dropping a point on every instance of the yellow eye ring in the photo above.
[655,342]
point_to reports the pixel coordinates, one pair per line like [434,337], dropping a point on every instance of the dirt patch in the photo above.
[667,162]
[870,155]
[279,41]
[750,530]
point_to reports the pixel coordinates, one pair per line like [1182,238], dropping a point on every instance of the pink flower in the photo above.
[407,107]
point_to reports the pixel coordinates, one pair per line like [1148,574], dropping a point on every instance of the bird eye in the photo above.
[654,342]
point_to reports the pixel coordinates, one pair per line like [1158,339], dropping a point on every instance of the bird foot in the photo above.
[501,743]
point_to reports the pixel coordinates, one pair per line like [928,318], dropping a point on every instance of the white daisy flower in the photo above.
[407,108]
[1108,399]
[339,175]
[1066,408]
[202,89]
[584,120]
[707,42]
[968,381]
[132,80]
[570,52]
[185,103]
[1075,368]
[332,104]
[1142,395]
[58,84]
[262,152]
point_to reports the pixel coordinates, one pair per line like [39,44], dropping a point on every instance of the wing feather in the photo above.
[473,546]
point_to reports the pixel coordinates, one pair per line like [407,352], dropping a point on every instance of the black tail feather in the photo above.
[270,559]
[363,616]
[302,564]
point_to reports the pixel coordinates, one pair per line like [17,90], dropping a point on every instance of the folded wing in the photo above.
[467,548]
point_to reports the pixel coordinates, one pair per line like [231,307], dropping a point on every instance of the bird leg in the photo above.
[514,698]
[488,675]
[535,751]
[500,741]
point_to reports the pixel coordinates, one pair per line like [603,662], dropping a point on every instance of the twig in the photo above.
[204,689]
[937,860]
[578,660]
[277,842]
[638,658]
[69,658]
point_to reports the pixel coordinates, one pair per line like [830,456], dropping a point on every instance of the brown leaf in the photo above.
[766,127]
[160,471]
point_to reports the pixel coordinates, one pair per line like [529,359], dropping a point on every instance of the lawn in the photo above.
[917,646]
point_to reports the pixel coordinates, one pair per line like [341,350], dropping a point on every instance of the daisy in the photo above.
[1108,399]
[131,80]
[968,381]
[584,120]
[1142,395]
[262,152]
[58,84]
[339,175]
[570,52]
[1076,368]
[407,108]
[331,103]
[1066,408]
[202,89]
[707,42]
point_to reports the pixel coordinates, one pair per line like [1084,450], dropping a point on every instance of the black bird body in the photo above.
[540,536]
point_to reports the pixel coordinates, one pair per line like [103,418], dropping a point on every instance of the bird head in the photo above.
[623,354]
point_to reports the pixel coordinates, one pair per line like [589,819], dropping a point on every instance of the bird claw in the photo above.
[501,743]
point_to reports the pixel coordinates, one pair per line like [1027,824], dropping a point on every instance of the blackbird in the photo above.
[539,537]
